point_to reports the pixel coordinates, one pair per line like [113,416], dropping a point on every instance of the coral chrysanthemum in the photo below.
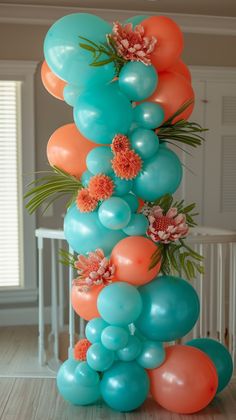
[85,202]
[166,228]
[120,143]
[127,164]
[80,349]
[101,186]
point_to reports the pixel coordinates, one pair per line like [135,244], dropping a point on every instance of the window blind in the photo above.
[10,184]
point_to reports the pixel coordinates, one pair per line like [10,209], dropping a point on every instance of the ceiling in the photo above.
[200,7]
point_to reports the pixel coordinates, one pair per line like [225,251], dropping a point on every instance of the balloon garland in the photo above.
[131,96]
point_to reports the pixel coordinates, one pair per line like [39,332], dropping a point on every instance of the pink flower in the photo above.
[132,44]
[166,228]
[95,269]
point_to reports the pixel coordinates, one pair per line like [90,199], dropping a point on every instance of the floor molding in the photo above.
[23,316]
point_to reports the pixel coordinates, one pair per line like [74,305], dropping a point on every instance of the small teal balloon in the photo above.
[85,178]
[122,186]
[68,60]
[73,388]
[114,338]
[220,357]
[98,160]
[114,213]
[94,328]
[137,226]
[148,115]
[102,112]
[152,355]
[144,142]
[137,81]
[85,375]
[170,309]
[131,351]
[132,201]
[136,20]
[125,386]
[119,304]
[99,358]
[160,175]
[84,232]
[71,94]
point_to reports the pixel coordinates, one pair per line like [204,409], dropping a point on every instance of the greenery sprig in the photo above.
[66,258]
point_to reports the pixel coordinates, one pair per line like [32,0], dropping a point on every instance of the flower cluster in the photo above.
[126,162]
[100,187]
[80,349]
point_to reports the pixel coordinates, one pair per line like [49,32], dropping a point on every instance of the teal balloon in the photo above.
[102,112]
[67,59]
[144,142]
[149,115]
[160,175]
[137,226]
[71,94]
[84,232]
[152,355]
[114,213]
[114,338]
[170,308]
[98,160]
[76,384]
[131,351]
[85,178]
[220,357]
[125,386]
[94,329]
[122,186]
[137,81]
[99,358]
[136,20]
[119,304]
[132,201]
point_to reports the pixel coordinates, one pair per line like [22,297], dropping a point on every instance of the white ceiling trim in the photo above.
[46,15]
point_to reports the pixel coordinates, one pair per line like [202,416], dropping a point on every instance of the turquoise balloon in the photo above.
[144,142]
[149,115]
[152,355]
[67,59]
[114,338]
[94,328]
[137,226]
[85,233]
[99,358]
[102,112]
[99,160]
[71,94]
[220,357]
[132,201]
[125,386]
[137,80]
[136,20]
[86,175]
[170,308]
[122,186]
[79,387]
[160,175]
[114,213]
[131,351]
[119,304]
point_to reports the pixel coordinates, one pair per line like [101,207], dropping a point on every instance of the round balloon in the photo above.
[186,382]
[148,115]
[144,142]
[152,355]
[170,308]
[85,303]
[137,80]
[132,201]
[122,186]
[131,351]
[70,94]
[94,329]
[114,338]
[51,82]
[137,226]
[99,358]
[114,213]
[85,178]
[99,160]
[181,68]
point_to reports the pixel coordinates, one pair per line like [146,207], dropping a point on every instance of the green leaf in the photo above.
[87,47]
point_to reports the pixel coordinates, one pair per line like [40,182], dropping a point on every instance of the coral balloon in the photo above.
[181,68]
[169,41]
[67,149]
[172,92]
[132,258]
[85,303]
[186,382]
[51,82]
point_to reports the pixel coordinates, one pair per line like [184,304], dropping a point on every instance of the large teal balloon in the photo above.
[137,226]
[78,384]
[99,358]
[137,80]
[219,355]
[71,94]
[152,355]
[102,112]
[144,142]
[94,328]
[67,59]
[148,115]
[170,308]
[131,351]
[125,386]
[98,160]
[84,232]
[160,175]
[114,338]
[114,213]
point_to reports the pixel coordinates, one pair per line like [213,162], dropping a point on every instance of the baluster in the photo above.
[71,310]
[220,293]
[41,343]
[61,290]
[232,301]
[212,291]
[54,300]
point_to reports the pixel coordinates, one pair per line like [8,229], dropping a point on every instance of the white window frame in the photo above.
[24,71]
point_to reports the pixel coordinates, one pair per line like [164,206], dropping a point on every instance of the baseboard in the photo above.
[23,316]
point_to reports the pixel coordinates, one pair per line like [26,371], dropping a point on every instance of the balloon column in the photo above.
[131,96]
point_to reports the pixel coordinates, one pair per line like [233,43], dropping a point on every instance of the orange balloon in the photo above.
[132,258]
[169,41]
[172,92]
[67,149]
[186,382]
[51,82]
[181,68]
[85,303]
